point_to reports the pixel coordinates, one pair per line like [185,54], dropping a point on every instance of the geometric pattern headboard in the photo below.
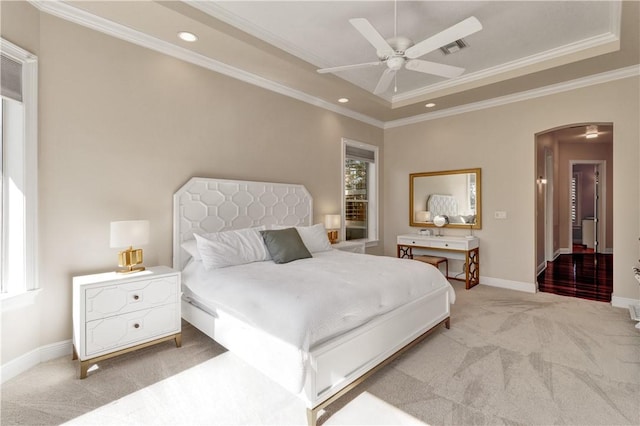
[442,205]
[204,205]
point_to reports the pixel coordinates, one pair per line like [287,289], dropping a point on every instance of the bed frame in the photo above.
[210,205]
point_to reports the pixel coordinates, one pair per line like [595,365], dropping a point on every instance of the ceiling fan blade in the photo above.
[434,68]
[348,67]
[456,32]
[373,36]
[385,81]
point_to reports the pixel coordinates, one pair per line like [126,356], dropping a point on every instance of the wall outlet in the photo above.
[500,215]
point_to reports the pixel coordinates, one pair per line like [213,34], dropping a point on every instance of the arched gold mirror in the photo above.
[455,194]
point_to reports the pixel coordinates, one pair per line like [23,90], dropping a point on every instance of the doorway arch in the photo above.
[559,220]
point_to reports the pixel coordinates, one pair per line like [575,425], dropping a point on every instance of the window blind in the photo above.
[11,78]
[360,154]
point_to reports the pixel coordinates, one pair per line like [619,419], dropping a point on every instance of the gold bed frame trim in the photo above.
[312,413]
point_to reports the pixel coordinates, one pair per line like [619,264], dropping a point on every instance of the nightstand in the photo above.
[354,246]
[118,313]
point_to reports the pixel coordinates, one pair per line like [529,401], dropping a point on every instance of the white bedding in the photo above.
[309,301]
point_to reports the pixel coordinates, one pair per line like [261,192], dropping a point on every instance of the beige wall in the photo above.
[123,127]
[501,140]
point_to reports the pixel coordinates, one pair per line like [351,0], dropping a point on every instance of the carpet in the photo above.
[226,391]
[510,358]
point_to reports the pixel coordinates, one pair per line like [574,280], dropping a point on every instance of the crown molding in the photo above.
[615,13]
[219,12]
[612,36]
[72,14]
[509,67]
[632,71]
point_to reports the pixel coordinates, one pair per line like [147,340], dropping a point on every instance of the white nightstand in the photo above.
[354,246]
[118,313]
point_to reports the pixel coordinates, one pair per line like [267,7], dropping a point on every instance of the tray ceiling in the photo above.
[523,45]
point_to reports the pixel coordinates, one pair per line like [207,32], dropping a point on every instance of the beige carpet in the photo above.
[509,358]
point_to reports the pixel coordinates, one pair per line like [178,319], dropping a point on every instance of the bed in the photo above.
[336,345]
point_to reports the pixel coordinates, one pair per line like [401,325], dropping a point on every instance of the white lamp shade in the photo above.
[128,233]
[332,221]
[423,216]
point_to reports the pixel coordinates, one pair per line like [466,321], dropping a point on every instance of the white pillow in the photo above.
[228,248]
[191,247]
[314,237]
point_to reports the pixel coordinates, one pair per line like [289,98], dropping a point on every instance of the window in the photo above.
[471,193]
[360,189]
[18,184]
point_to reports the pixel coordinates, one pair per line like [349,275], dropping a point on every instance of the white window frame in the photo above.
[373,205]
[24,293]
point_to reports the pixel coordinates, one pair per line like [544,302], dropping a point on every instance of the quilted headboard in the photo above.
[205,205]
[442,204]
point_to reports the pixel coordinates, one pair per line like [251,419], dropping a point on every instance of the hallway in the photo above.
[583,275]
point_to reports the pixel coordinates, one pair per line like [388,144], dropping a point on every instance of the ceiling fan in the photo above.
[399,51]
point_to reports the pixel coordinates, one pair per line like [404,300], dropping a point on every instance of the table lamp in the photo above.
[332,223]
[128,233]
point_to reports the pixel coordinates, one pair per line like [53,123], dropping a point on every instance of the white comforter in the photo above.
[308,301]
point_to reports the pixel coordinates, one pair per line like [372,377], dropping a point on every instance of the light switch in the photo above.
[500,215]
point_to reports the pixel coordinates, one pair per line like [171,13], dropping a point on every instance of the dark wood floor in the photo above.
[583,275]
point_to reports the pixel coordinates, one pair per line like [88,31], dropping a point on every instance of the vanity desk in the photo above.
[451,247]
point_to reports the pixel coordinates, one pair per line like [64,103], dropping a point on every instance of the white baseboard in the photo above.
[508,284]
[623,302]
[29,360]
[608,250]
[541,267]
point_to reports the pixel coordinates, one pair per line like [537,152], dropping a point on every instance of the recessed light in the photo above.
[430,105]
[187,36]
[343,100]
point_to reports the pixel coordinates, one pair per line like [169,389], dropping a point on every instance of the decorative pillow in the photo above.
[228,248]
[191,247]
[314,237]
[285,245]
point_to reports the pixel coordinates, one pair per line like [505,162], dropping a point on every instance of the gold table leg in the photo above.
[84,365]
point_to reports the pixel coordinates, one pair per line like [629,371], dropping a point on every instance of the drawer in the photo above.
[413,242]
[451,245]
[107,301]
[111,334]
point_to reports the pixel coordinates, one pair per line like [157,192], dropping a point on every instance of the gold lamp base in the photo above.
[333,236]
[129,259]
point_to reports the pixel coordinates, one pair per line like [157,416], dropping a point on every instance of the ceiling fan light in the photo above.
[395,63]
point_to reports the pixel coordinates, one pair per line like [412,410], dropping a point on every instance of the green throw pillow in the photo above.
[285,245]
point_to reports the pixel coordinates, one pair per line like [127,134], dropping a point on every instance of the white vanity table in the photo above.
[451,247]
